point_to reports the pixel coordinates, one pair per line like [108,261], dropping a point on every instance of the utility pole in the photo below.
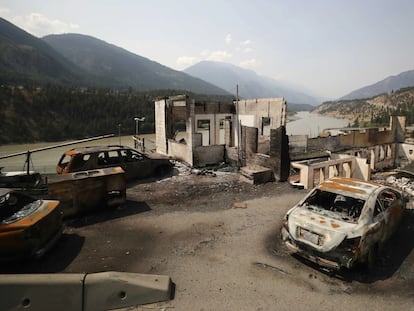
[119,133]
[238,125]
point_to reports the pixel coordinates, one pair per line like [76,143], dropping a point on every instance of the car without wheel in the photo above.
[342,222]
[136,165]
[28,227]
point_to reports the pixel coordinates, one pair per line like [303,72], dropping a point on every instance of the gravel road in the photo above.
[223,257]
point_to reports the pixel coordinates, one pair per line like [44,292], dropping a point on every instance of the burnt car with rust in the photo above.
[30,182]
[28,227]
[343,222]
[136,165]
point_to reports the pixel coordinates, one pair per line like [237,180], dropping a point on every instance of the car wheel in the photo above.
[372,260]
[162,170]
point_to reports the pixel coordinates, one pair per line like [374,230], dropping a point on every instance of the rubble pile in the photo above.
[404,184]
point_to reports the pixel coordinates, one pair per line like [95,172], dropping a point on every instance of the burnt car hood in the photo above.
[319,230]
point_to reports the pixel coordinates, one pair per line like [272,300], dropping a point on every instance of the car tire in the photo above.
[372,258]
[162,170]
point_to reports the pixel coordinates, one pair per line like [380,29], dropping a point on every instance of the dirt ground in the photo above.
[222,255]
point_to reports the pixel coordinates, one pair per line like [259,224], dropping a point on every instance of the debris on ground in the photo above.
[240,205]
[402,180]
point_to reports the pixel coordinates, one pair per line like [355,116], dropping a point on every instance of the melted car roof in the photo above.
[93,149]
[354,187]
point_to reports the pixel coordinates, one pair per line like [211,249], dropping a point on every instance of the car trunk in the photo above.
[318,230]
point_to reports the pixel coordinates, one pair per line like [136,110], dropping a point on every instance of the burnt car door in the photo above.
[136,164]
[110,158]
[375,228]
[393,205]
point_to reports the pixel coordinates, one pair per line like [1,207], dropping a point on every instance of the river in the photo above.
[312,124]
[45,161]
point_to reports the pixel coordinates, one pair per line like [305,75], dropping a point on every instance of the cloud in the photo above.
[4,11]
[185,61]
[245,42]
[249,63]
[228,38]
[218,56]
[40,25]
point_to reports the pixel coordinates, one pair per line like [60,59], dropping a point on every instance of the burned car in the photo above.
[28,227]
[342,222]
[30,182]
[136,165]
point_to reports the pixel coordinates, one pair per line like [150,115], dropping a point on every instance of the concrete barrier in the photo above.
[83,292]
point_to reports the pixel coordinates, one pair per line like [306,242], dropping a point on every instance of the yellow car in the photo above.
[28,227]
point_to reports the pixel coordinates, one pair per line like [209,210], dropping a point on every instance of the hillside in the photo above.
[84,61]
[120,68]
[251,85]
[372,111]
[388,85]
[27,59]
[55,112]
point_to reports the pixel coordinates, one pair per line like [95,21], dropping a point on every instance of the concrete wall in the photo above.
[378,157]
[215,134]
[82,291]
[405,154]
[231,154]
[298,144]
[256,109]
[208,155]
[279,153]
[160,127]
[206,145]
[314,172]
[179,151]
[376,145]
[263,146]
[352,139]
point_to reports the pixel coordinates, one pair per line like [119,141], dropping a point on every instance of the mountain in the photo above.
[372,111]
[121,68]
[250,84]
[25,58]
[388,85]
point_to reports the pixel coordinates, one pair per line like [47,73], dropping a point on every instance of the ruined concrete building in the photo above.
[251,134]
[248,133]
[350,153]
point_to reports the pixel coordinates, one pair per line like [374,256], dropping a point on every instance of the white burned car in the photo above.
[343,221]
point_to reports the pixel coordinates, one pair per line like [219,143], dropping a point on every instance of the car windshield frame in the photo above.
[335,205]
[15,206]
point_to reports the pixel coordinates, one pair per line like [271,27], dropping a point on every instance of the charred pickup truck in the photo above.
[342,222]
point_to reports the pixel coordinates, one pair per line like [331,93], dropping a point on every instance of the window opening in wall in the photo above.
[410,151]
[203,127]
[381,153]
[180,131]
[265,126]
[388,152]
[221,132]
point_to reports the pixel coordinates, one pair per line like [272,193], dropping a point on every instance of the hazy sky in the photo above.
[330,47]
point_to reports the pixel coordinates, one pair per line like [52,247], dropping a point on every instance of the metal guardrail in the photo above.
[29,152]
